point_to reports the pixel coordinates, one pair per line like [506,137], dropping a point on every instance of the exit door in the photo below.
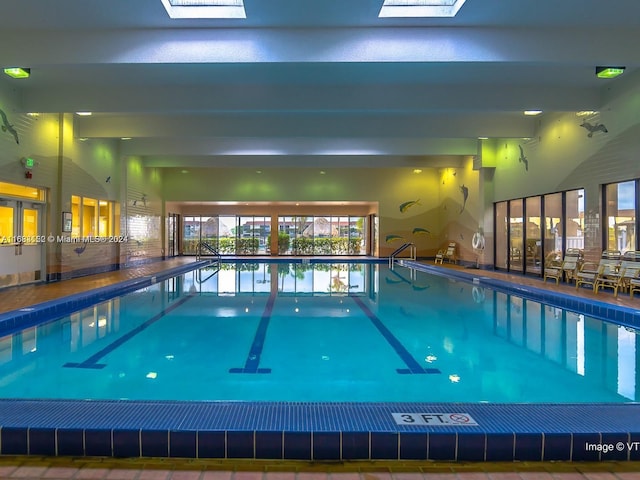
[21,242]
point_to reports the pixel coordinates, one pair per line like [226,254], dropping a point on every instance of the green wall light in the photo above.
[609,72]
[29,163]
[18,72]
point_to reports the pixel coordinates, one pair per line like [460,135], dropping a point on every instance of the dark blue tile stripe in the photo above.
[92,361]
[252,364]
[412,364]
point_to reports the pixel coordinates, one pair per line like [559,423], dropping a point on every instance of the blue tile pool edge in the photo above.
[314,431]
[619,314]
[319,431]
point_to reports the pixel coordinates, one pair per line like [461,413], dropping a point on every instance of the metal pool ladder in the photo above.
[209,248]
[400,249]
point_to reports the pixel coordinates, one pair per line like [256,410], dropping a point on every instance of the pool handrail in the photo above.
[209,248]
[400,249]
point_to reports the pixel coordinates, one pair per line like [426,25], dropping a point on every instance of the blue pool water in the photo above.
[353,332]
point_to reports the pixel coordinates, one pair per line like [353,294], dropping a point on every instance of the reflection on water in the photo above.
[259,331]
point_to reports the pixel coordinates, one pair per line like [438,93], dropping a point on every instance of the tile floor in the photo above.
[30,468]
[26,468]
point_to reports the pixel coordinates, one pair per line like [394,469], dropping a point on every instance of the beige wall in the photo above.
[434,219]
[66,166]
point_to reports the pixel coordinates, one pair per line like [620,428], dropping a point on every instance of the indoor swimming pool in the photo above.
[320,360]
[321,332]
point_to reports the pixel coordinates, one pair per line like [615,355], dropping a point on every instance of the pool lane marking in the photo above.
[252,364]
[413,367]
[92,361]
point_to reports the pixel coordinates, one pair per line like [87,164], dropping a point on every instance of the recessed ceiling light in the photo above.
[205,8]
[184,171]
[417,170]
[483,138]
[532,112]
[84,114]
[18,72]
[420,8]
[609,72]
[125,138]
[258,172]
[322,172]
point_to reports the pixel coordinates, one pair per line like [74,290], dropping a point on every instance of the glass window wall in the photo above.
[574,229]
[533,231]
[620,214]
[553,227]
[516,235]
[533,235]
[92,217]
[501,229]
[297,235]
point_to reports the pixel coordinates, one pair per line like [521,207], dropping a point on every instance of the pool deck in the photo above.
[56,468]
[77,465]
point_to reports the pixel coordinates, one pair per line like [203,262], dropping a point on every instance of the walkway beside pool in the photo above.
[60,468]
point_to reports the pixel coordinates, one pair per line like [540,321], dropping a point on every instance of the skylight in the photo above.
[205,8]
[420,8]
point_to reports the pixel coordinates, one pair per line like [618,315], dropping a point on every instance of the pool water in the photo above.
[321,332]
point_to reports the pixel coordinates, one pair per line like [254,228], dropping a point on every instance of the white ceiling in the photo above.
[313,82]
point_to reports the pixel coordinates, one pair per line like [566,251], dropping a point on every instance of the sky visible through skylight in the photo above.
[205,8]
[420,8]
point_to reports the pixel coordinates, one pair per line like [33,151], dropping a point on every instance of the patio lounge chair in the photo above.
[449,254]
[634,285]
[553,268]
[609,276]
[573,259]
[629,269]
[590,271]
[565,269]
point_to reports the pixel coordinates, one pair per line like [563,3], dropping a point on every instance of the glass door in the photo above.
[21,243]
[173,220]
[516,235]
[533,235]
